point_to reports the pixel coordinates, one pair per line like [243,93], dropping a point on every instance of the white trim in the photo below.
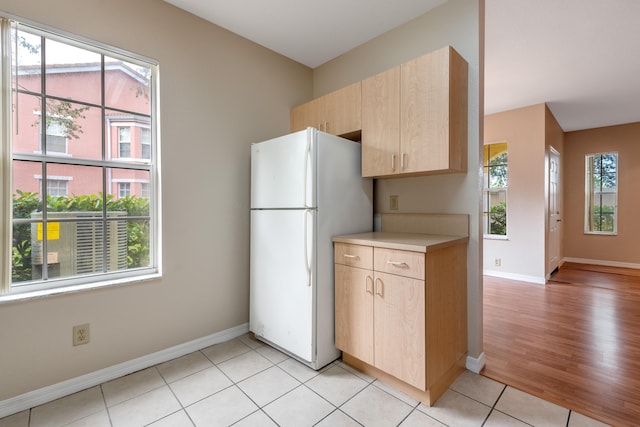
[475,364]
[513,276]
[603,262]
[55,178]
[130,180]
[55,391]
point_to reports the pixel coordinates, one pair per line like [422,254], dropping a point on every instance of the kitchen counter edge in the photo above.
[415,242]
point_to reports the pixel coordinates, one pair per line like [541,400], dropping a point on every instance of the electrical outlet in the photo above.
[393,203]
[498,262]
[81,334]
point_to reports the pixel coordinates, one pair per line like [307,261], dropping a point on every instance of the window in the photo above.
[93,98]
[495,166]
[57,187]
[124,189]
[144,190]
[124,142]
[601,193]
[56,138]
[145,143]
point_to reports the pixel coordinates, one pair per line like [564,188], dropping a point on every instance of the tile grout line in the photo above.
[493,407]
[183,408]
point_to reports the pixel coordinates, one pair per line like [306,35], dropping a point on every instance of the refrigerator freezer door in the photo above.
[283,172]
[282,303]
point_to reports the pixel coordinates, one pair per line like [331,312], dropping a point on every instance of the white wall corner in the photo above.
[55,391]
[475,364]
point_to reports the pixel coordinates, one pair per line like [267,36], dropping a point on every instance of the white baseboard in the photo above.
[476,364]
[604,263]
[55,391]
[512,276]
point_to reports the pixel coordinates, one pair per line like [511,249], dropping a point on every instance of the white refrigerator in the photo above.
[306,187]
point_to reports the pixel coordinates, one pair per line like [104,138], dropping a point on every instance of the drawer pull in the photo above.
[368,289]
[351,256]
[398,264]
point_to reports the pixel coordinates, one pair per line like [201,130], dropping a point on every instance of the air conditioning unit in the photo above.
[75,245]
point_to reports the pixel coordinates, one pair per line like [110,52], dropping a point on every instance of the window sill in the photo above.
[43,293]
[495,237]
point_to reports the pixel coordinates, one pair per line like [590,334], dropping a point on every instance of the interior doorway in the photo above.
[554,212]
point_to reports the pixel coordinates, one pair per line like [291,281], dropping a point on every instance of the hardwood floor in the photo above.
[574,342]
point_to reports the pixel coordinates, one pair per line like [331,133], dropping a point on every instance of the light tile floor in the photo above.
[245,383]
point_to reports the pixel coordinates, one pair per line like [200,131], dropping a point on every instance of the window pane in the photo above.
[79,125]
[26,179]
[138,242]
[84,188]
[26,119]
[126,137]
[26,61]
[127,86]
[128,182]
[72,72]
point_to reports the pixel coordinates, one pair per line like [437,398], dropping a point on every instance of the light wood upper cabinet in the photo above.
[381,123]
[308,114]
[412,119]
[338,112]
[428,105]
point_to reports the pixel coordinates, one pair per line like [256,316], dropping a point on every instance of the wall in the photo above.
[554,137]
[522,254]
[621,250]
[457,23]
[219,93]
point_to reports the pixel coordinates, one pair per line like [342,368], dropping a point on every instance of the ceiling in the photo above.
[579,56]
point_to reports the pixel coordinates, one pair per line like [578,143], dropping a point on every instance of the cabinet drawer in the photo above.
[401,263]
[354,255]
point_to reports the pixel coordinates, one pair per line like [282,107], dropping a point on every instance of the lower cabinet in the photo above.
[386,324]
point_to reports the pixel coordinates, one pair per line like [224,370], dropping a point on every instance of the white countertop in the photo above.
[402,241]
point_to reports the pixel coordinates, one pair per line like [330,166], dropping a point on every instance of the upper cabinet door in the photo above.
[337,113]
[381,124]
[433,113]
[310,114]
[343,110]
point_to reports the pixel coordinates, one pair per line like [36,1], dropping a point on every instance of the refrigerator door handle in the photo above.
[307,168]
[307,259]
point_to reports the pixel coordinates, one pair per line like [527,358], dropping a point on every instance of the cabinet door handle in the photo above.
[398,264]
[379,286]
[393,163]
[368,289]
[351,256]
[402,162]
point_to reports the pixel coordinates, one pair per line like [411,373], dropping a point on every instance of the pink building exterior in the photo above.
[127,131]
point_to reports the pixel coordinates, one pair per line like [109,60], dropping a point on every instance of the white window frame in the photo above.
[590,194]
[486,194]
[14,292]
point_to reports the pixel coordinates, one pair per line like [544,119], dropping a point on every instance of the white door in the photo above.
[282,304]
[283,172]
[554,209]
